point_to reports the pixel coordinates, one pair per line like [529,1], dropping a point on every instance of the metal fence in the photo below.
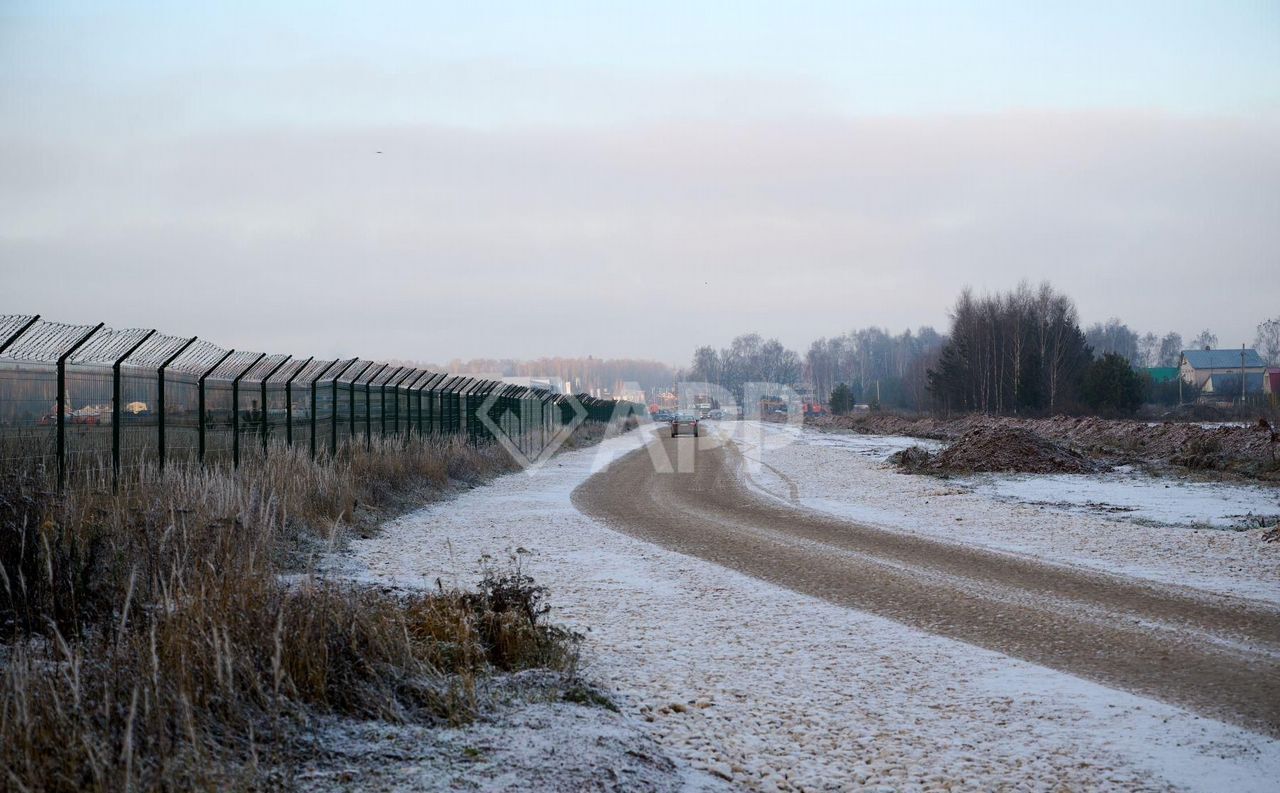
[80,397]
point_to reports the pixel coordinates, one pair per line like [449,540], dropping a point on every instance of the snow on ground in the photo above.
[517,745]
[1136,497]
[1122,522]
[775,689]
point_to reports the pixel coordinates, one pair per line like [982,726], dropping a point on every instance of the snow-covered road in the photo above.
[775,689]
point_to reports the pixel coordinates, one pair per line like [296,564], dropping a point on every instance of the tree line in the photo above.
[749,358]
[1011,352]
[1024,351]
[582,373]
[1020,351]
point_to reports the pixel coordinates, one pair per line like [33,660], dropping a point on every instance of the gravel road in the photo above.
[1216,655]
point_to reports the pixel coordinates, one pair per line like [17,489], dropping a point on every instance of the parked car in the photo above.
[685,421]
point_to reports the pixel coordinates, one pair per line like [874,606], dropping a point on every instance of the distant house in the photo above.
[1228,384]
[1219,371]
[1273,381]
[1162,374]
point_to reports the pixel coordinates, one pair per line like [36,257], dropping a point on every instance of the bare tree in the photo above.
[1113,337]
[1207,340]
[1170,349]
[706,365]
[1148,350]
[1267,341]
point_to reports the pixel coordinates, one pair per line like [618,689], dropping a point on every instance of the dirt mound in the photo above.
[1004,449]
[1251,451]
[915,458]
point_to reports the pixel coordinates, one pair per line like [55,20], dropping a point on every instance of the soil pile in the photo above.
[914,459]
[1247,450]
[1011,449]
[998,449]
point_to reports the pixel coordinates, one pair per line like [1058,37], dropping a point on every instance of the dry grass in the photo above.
[152,642]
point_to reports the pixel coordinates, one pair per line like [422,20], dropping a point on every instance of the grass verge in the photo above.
[150,638]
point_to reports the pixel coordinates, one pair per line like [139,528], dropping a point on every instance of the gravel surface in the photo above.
[1104,627]
[779,690]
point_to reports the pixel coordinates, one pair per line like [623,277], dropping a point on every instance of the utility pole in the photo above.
[1241,375]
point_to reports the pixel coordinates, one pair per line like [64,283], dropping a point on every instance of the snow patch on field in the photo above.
[1079,520]
[775,690]
[1136,497]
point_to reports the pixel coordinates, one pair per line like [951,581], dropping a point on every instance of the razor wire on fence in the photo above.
[85,397]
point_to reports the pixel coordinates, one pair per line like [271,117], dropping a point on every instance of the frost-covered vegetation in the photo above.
[174,634]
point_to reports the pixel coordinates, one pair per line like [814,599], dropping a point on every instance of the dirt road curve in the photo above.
[1215,655]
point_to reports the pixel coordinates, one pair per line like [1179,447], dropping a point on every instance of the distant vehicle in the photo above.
[663,415]
[686,421]
[815,409]
[716,414]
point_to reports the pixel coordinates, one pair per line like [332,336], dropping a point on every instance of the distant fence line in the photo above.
[70,395]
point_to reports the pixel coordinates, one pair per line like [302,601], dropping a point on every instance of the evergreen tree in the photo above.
[1111,384]
[841,399]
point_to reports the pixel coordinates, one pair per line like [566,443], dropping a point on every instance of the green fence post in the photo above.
[160,437]
[116,412]
[200,430]
[263,427]
[288,402]
[235,411]
[333,416]
[351,408]
[62,404]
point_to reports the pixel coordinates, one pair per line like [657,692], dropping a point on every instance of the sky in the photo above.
[429,181]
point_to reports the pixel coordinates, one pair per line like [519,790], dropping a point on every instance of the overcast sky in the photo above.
[438,180]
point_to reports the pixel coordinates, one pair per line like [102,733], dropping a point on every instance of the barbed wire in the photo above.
[45,342]
[263,368]
[156,350]
[30,339]
[108,345]
[234,365]
[384,375]
[13,324]
[287,371]
[197,358]
[357,369]
[321,369]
